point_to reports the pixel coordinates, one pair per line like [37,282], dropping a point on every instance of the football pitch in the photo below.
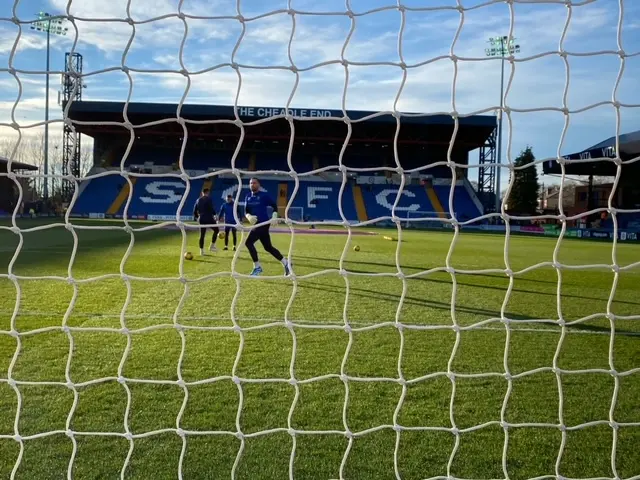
[221,375]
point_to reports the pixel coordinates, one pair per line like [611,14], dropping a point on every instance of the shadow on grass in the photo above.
[445,306]
[45,247]
[467,284]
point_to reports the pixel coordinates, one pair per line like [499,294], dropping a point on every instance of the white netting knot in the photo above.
[17,438]
[235,65]
[291,432]
[184,175]
[66,329]
[557,265]
[617,161]
[456,328]
[70,385]
[508,272]
[397,428]
[179,327]
[68,226]
[344,378]
[507,376]
[12,277]
[182,279]
[122,380]
[130,21]
[235,379]
[402,382]
[237,328]
[181,383]
[69,433]
[241,19]
[11,176]
[455,431]
[128,436]
[239,436]
[504,425]
[399,326]
[348,434]
[450,270]
[451,376]
[125,69]
[288,324]
[181,432]
[15,230]
[347,328]
[615,425]
[124,277]
[181,15]
[563,53]
[14,125]
[12,383]
[610,316]
[293,382]
[125,331]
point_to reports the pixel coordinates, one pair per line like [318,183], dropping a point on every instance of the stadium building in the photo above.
[9,194]
[215,144]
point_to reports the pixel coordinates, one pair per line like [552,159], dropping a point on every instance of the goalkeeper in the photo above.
[205,213]
[226,212]
[256,205]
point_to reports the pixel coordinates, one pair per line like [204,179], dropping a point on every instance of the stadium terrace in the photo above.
[214,144]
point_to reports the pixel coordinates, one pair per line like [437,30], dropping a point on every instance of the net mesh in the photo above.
[350,328]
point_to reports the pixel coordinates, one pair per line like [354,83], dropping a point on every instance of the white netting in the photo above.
[133,230]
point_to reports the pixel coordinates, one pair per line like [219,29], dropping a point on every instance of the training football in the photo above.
[399,240]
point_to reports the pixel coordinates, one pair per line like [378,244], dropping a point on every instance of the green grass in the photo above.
[376,352]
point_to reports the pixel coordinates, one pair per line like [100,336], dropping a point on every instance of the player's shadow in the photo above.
[446,306]
[467,284]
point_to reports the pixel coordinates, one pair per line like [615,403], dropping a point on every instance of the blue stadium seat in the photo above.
[98,194]
[463,205]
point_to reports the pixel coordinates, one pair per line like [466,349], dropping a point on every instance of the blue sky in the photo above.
[537,83]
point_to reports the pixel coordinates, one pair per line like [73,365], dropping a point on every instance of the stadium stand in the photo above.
[315,159]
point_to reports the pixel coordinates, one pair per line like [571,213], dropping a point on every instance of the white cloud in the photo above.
[318,39]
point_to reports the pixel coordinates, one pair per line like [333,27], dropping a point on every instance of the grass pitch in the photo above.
[208,355]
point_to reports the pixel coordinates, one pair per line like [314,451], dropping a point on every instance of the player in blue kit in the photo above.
[226,212]
[256,205]
[205,213]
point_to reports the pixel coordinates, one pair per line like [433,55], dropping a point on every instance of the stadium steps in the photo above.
[121,198]
[283,195]
[435,201]
[361,208]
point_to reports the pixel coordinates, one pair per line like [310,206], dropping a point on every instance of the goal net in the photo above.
[424,219]
[295,214]
[134,343]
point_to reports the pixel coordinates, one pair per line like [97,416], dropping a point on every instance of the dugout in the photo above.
[597,161]
[422,140]
[8,188]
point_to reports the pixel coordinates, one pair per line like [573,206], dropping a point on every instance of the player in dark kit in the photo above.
[256,205]
[226,212]
[205,213]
